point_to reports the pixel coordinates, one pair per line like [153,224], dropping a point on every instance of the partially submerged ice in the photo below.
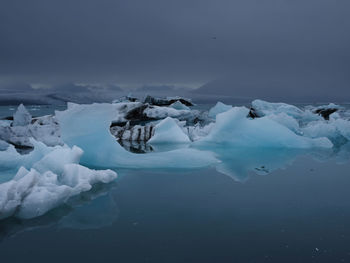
[52,176]
[21,117]
[168,131]
[234,128]
[23,127]
[82,124]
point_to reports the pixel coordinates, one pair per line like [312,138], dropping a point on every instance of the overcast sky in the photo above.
[178,42]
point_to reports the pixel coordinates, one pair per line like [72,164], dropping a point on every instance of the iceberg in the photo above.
[31,194]
[167,131]
[21,117]
[267,108]
[218,108]
[93,209]
[235,129]
[177,105]
[23,127]
[287,121]
[53,176]
[83,124]
[337,130]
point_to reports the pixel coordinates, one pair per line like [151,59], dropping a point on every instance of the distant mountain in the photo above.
[58,94]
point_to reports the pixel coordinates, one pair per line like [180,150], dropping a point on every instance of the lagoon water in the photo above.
[297,214]
[258,205]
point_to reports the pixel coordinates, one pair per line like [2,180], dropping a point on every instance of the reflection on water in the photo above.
[98,208]
[237,163]
[90,210]
[298,211]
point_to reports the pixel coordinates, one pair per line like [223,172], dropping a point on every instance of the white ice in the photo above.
[266,108]
[233,128]
[218,108]
[21,117]
[158,112]
[52,177]
[177,105]
[31,194]
[167,131]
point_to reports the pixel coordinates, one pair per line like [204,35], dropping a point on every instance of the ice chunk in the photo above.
[177,105]
[267,108]
[55,160]
[87,126]
[197,132]
[326,110]
[21,117]
[31,194]
[343,126]
[46,130]
[337,129]
[11,159]
[158,112]
[48,177]
[287,121]
[3,145]
[234,128]
[167,131]
[218,108]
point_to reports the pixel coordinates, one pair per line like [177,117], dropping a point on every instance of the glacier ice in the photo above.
[24,127]
[234,128]
[31,194]
[158,112]
[82,124]
[287,121]
[3,145]
[53,178]
[336,129]
[21,117]
[93,209]
[266,108]
[218,108]
[177,105]
[167,131]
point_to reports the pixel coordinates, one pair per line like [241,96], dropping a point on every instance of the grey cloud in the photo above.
[180,41]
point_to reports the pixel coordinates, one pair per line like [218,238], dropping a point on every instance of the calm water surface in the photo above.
[298,213]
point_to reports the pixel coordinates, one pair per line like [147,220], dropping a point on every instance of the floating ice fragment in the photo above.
[235,129]
[266,108]
[167,131]
[31,194]
[218,108]
[177,105]
[21,117]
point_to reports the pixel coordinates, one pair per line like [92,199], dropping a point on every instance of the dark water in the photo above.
[300,213]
